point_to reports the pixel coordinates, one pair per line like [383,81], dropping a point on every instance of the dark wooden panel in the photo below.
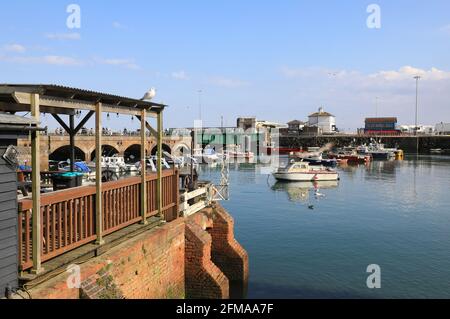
[8,232]
[8,274]
[8,242]
[7,187]
[8,223]
[8,261]
[8,214]
[7,196]
[8,177]
[4,168]
[8,251]
[8,206]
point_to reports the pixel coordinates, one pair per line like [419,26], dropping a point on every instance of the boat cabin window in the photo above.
[299,166]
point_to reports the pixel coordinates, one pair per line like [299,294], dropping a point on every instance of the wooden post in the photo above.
[72,141]
[143,168]
[36,189]
[159,166]
[177,193]
[98,175]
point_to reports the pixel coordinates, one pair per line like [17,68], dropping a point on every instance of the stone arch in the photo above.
[165,148]
[132,153]
[181,149]
[63,154]
[107,150]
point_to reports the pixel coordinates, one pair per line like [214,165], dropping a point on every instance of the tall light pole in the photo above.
[417,77]
[376,106]
[200,104]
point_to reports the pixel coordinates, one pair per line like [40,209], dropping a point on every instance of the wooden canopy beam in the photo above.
[61,122]
[24,98]
[13,107]
[84,121]
[153,132]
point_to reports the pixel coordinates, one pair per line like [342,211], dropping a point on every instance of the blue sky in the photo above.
[275,60]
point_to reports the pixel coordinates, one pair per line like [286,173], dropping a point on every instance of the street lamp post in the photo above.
[376,106]
[200,104]
[417,77]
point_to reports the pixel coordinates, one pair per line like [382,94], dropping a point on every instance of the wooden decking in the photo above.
[68,216]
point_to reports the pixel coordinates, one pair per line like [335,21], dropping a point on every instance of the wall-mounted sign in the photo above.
[11,156]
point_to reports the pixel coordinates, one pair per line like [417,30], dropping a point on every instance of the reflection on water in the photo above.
[394,214]
[301,191]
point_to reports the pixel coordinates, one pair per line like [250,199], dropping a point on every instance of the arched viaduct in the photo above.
[56,147]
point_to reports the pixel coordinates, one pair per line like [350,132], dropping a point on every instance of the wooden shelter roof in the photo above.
[58,99]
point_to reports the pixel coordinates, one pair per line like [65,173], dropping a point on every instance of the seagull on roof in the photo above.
[149,95]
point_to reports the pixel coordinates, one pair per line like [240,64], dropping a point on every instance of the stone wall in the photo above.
[406,143]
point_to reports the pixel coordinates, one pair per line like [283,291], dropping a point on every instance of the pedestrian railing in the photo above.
[68,216]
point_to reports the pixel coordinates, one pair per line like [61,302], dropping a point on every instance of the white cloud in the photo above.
[16,48]
[128,63]
[404,73]
[227,82]
[180,75]
[118,25]
[68,61]
[351,94]
[63,36]
[408,72]
[48,59]
[445,29]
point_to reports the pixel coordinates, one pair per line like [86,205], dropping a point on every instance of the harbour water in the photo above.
[317,243]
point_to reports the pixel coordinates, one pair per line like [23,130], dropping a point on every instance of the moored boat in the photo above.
[314,159]
[351,157]
[376,151]
[302,171]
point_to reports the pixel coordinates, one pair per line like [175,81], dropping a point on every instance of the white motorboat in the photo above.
[112,167]
[207,156]
[303,172]
[151,163]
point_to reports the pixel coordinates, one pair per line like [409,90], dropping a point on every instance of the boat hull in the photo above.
[307,176]
[352,159]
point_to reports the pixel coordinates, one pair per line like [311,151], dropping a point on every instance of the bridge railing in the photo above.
[68,216]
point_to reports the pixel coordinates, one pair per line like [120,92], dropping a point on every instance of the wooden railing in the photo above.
[196,200]
[68,216]
[46,177]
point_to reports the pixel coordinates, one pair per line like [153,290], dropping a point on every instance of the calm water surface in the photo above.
[307,243]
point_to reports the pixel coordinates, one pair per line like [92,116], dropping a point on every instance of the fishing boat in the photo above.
[301,171]
[439,151]
[350,155]
[376,151]
[236,153]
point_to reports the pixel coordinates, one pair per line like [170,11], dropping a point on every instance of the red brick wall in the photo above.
[150,265]
[195,257]
[227,253]
[203,278]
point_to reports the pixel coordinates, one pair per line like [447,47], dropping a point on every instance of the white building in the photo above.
[421,129]
[324,121]
[442,129]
